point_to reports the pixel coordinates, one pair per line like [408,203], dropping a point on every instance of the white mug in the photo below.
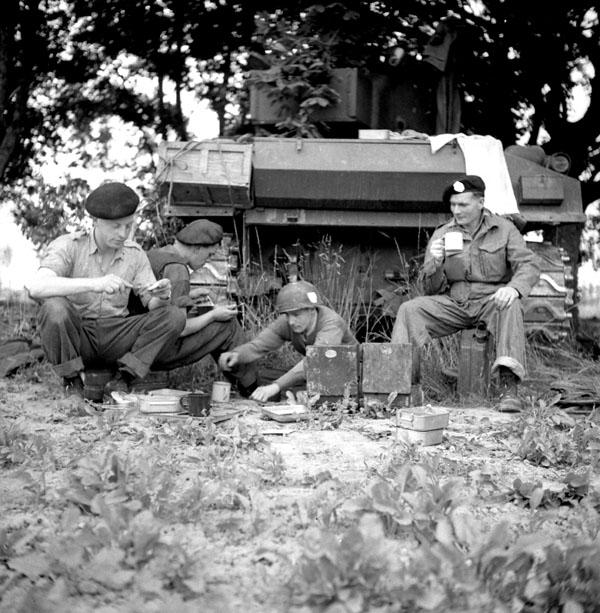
[453,242]
[221,391]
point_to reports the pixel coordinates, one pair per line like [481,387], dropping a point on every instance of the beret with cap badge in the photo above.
[201,232]
[466,183]
[112,201]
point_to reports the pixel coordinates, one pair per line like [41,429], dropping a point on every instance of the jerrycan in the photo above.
[474,364]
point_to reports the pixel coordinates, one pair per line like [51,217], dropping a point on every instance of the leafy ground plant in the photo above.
[19,446]
[412,501]
[535,495]
[546,436]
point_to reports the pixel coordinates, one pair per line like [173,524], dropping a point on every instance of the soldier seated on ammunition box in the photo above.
[477,268]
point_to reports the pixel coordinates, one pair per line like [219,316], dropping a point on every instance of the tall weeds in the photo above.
[17,316]
[345,281]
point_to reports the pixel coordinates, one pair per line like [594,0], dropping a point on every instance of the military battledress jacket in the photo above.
[496,255]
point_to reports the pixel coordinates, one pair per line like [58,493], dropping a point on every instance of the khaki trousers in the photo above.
[426,317]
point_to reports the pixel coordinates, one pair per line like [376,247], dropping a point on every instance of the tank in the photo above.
[284,201]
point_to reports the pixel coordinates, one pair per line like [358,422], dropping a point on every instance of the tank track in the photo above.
[547,309]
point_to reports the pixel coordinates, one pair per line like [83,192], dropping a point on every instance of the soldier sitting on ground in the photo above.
[210,333]
[84,282]
[192,247]
[481,283]
[303,321]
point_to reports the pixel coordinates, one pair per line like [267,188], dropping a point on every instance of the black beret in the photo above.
[112,201]
[200,232]
[466,183]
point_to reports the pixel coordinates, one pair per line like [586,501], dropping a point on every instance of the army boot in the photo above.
[509,401]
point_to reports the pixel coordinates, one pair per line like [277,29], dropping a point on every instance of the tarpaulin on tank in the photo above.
[484,156]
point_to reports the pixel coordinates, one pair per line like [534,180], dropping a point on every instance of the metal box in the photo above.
[154,380]
[541,188]
[332,370]
[429,437]
[205,174]
[386,369]
[423,419]
[423,425]
[354,105]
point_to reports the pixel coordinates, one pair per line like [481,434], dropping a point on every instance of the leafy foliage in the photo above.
[298,74]
[535,495]
[548,437]
[456,566]
[74,64]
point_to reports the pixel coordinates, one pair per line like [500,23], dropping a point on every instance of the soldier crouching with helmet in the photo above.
[303,321]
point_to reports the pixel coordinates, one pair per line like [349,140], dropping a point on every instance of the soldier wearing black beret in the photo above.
[192,247]
[84,284]
[112,201]
[215,331]
[469,183]
[200,233]
[477,268]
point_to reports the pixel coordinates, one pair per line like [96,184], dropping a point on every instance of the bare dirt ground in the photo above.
[117,511]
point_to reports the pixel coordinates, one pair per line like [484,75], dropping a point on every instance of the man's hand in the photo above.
[111,284]
[198,293]
[224,312]
[504,297]
[161,289]
[436,250]
[264,392]
[228,360]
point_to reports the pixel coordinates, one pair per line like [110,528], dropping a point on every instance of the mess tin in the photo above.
[453,242]
[196,404]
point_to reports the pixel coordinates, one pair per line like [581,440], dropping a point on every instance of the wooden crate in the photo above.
[332,370]
[205,174]
[386,368]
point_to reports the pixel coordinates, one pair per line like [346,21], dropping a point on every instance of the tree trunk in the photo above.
[162,125]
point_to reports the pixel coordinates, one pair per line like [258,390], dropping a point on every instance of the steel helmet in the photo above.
[297,295]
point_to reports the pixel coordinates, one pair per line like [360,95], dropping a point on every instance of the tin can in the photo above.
[221,391]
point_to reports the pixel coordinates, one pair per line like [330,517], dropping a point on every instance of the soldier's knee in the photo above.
[175,318]
[54,311]
[408,308]
[170,318]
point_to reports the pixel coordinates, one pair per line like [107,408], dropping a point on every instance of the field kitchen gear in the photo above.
[422,425]
[297,295]
[196,404]
[221,391]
